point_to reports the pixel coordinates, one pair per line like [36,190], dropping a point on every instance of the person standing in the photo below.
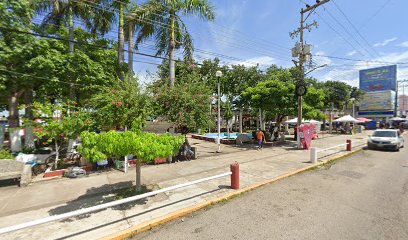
[261,138]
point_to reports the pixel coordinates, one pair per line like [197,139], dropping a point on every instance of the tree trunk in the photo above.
[13,110]
[121,40]
[29,135]
[138,177]
[14,122]
[70,27]
[257,122]
[172,54]
[234,125]
[240,120]
[56,153]
[126,158]
[71,46]
[130,51]
[261,124]
[228,130]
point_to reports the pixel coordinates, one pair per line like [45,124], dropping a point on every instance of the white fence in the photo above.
[314,151]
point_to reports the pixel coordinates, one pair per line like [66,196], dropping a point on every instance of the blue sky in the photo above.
[257,31]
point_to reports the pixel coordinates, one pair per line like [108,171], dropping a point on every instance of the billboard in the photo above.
[378,79]
[380,100]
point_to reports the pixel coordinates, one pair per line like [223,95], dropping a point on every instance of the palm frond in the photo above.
[201,8]
[186,42]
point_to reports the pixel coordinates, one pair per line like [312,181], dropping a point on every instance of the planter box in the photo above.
[132,162]
[160,160]
[88,168]
[56,173]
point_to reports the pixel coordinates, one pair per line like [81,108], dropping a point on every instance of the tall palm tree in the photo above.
[161,19]
[63,12]
[131,25]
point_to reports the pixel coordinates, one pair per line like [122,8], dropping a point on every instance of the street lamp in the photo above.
[352,100]
[218,74]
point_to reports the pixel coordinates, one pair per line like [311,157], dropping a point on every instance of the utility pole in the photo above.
[403,99]
[300,51]
[396,102]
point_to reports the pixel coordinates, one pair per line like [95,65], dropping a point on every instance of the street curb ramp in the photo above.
[146,226]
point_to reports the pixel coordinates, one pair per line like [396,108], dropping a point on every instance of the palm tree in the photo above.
[161,19]
[130,25]
[62,12]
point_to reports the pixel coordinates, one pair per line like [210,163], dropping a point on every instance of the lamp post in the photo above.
[218,74]
[353,100]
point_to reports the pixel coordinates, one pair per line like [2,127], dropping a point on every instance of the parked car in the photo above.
[386,139]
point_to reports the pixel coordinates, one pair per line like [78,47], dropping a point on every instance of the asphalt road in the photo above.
[364,196]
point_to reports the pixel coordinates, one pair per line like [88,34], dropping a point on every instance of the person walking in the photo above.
[261,138]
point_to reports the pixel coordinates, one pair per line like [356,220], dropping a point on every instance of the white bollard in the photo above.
[313,155]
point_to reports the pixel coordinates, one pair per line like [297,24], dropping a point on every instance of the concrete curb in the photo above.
[132,231]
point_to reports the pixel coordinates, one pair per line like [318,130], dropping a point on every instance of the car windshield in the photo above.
[385,134]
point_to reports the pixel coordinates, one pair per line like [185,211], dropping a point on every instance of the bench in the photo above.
[12,169]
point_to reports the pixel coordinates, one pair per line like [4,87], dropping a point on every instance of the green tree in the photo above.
[236,80]
[186,105]
[146,146]
[63,12]
[60,122]
[120,106]
[168,29]
[15,49]
[337,94]
[277,96]
[228,114]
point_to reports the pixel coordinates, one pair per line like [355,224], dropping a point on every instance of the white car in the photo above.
[386,139]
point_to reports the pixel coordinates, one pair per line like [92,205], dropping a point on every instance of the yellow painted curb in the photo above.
[124,234]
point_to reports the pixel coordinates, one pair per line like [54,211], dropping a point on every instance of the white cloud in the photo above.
[385,42]
[261,60]
[403,44]
[321,60]
[352,53]
[350,73]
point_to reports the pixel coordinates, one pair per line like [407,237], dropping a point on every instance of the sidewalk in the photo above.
[58,196]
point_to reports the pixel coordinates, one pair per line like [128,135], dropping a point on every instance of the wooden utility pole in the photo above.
[301,85]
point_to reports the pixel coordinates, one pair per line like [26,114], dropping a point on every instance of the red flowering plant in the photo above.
[120,106]
[185,105]
[60,122]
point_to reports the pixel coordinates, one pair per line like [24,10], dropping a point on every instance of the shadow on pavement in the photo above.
[141,213]
[99,195]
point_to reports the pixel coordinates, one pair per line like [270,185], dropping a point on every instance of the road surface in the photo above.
[364,196]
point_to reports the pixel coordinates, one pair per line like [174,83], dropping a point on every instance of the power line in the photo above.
[152,47]
[334,30]
[43,78]
[375,13]
[346,31]
[80,43]
[166,25]
[355,29]
[245,47]
[250,38]
[360,60]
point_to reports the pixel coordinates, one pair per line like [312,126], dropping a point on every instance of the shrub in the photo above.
[6,154]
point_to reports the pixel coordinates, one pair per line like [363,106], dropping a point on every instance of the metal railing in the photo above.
[349,144]
[106,205]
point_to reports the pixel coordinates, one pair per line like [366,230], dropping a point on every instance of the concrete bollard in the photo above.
[313,155]
[234,176]
[348,145]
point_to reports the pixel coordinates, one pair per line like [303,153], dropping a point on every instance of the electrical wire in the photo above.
[347,31]
[355,28]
